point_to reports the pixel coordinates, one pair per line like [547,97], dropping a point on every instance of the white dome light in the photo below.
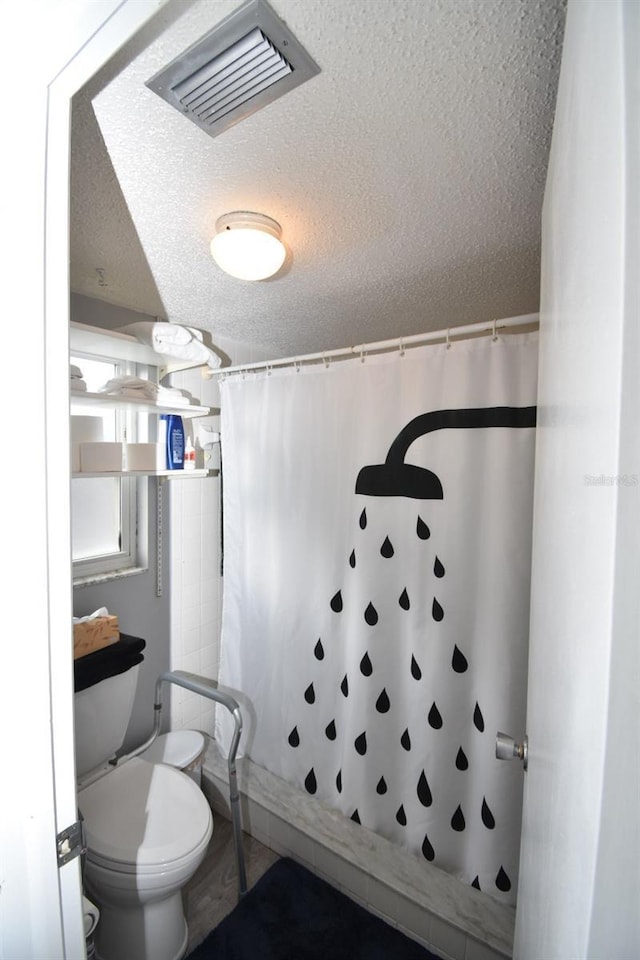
[248,245]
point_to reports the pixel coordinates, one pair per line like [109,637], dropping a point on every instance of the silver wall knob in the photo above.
[508,749]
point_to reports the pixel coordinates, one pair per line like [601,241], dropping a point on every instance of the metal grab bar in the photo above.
[209,689]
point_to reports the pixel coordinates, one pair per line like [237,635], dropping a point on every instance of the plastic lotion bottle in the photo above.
[189,455]
[175,442]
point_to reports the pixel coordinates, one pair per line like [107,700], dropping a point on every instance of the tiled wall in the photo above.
[194,535]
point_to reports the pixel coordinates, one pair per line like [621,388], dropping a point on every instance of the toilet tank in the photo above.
[105,685]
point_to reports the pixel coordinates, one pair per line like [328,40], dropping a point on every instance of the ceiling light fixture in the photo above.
[248,245]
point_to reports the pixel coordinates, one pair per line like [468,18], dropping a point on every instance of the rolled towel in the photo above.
[174,340]
[75,372]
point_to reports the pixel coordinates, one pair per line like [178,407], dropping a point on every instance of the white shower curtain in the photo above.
[375,621]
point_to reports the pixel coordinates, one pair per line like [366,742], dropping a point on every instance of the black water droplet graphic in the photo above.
[502,881]
[294,738]
[401,816]
[330,730]
[459,661]
[310,694]
[457,820]
[386,550]
[478,719]
[405,740]
[461,760]
[310,782]
[382,703]
[344,686]
[436,611]
[352,559]
[381,787]
[416,672]
[403,599]
[336,602]
[427,850]
[339,781]
[422,529]
[487,817]
[360,743]
[476,883]
[355,816]
[434,718]
[371,615]
[319,650]
[366,668]
[424,793]
[363,519]
[438,569]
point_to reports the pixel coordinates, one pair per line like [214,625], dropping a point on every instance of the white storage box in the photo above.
[145,456]
[101,457]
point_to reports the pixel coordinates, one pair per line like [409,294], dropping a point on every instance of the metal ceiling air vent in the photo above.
[250,59]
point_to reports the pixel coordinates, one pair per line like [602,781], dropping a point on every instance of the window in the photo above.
[106,512]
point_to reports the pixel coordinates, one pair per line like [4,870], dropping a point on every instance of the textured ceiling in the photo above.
[408,175]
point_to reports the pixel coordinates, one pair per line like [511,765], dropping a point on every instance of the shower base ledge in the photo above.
[447,916]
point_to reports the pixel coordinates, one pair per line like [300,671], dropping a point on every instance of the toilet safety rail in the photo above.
[209,689]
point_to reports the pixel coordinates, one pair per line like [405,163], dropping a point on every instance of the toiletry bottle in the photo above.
[189,455]
[175,442]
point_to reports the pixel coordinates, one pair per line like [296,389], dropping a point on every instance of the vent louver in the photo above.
[246,62]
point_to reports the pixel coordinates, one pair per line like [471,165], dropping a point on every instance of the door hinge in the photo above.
[70,842]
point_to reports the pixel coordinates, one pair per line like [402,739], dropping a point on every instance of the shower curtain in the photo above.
[377,535]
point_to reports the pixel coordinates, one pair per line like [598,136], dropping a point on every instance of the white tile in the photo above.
[413,918]
[480,951]
[279,835]
[382,899]
[302,847]
[191,641]
[446,939]
[327,864]
[192,595]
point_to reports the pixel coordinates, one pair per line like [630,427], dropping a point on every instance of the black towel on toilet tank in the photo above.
[108,662]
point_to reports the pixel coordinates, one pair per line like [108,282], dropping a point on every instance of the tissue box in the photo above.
[92,635]
[101,457]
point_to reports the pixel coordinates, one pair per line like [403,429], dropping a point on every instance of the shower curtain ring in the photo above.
[401,346]
[326,361]
[448,340]
[269,368]
[362,355]
[495,335]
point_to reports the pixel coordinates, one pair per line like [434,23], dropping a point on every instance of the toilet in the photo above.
[147,824]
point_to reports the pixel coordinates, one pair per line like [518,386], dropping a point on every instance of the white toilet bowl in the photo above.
[147,827]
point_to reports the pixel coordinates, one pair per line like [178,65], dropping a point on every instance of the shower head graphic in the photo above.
[395,478]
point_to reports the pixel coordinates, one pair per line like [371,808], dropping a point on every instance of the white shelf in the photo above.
[83,398]
[112,344]
[168,474]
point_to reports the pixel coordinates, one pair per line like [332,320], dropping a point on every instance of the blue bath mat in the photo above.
[290,914]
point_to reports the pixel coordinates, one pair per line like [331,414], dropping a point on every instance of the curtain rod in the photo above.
[450,334]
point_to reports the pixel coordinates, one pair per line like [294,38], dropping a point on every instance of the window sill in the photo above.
[94,578]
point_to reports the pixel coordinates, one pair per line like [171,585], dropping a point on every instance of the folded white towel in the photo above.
[137,389]
[174,340]
[75,372]
[130,387]
[77,386]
